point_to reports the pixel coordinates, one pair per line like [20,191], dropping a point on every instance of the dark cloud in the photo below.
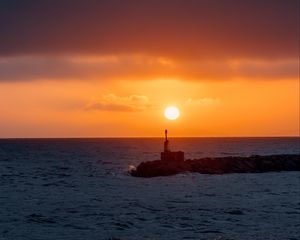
[176,29]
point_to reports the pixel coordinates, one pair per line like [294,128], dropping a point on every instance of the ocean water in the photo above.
[80,189]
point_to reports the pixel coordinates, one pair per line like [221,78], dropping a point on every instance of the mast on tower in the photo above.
[166,143]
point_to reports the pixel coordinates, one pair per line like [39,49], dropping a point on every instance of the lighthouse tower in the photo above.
[166,143]
[167,154]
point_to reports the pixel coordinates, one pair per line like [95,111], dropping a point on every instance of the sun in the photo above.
[172,113]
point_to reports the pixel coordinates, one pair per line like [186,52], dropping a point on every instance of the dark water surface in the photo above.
[80,189]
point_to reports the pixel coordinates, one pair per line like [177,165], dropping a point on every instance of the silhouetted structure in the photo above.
[166,143]
[167,154]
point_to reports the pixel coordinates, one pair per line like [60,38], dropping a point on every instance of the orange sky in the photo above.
[227,77]
[135,108]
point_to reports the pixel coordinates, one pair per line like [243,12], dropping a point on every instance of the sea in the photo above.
[81,189]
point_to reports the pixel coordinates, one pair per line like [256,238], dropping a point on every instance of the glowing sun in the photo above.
[172,113]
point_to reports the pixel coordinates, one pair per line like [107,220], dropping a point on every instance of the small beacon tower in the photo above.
[168,155]
[166,143]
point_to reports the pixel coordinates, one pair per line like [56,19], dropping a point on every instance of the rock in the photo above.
[220,165]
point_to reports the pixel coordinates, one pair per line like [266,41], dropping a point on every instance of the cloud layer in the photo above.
[139,67]
[139,40]
[173,29]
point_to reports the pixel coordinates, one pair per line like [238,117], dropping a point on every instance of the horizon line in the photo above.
[148,137]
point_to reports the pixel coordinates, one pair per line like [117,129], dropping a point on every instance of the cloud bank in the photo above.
[175,29]
[142,68]
[139,39]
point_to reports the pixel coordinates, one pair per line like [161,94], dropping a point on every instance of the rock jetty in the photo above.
[173,162]
[219,165]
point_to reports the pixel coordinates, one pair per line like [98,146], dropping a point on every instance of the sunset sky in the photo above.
[109,68]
